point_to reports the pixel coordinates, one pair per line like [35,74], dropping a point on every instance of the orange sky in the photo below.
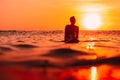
[54,14]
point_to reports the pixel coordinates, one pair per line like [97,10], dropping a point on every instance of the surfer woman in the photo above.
[71,31]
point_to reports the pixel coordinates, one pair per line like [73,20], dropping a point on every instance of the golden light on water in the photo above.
[90,46]
[93,73]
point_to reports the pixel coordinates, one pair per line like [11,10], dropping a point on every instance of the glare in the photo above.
[93,73]
[99,8]
[91,21]
[94,8]
[90,46]
[91,38]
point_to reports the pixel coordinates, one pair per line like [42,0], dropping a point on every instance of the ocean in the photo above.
[43,55]
[58,35]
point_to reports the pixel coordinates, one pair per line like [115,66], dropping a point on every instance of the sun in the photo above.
[91,21]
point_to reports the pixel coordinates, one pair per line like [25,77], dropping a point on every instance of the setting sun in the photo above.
[92,18]
[91,21]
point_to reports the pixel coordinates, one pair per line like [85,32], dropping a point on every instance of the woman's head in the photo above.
[72,20]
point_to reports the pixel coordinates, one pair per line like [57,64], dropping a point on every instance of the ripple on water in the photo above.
[26,46]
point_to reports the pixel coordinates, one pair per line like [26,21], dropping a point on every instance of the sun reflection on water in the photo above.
[93,73]
[90,46]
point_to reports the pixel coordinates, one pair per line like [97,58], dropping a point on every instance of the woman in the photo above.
[71,31]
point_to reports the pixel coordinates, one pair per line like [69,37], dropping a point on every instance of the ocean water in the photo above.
[42,55]
[48,36]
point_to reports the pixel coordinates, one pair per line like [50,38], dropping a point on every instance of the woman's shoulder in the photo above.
[67,25]
[76,26]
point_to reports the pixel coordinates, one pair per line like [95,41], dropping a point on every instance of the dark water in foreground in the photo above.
[41,55]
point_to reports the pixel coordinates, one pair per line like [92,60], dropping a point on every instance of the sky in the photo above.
[54,14]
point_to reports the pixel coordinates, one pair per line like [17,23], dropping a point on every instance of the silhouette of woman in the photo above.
[71,32]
